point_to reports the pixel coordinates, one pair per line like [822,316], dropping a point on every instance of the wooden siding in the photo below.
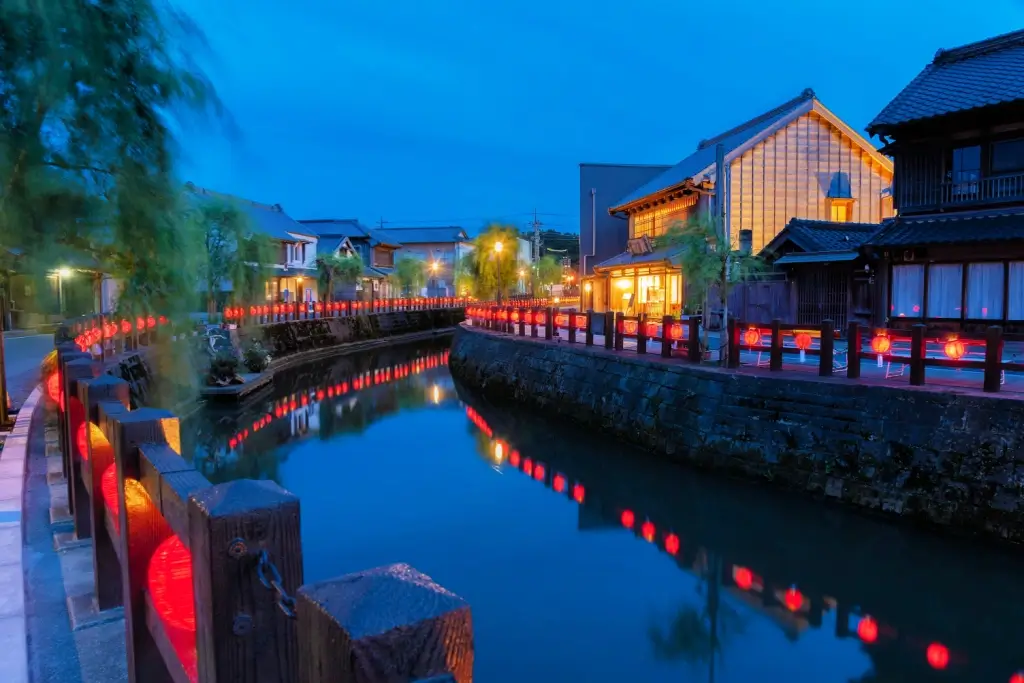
[789,174]
[656,220]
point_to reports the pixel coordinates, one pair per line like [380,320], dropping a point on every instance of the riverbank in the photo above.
[952,460]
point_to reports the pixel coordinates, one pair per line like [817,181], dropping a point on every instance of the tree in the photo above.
[89,95]
[409,274]
[549,271]
[466,275]
[496,260]
[334,268]
[710,267]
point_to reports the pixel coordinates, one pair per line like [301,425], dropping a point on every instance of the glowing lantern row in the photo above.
[170,584]
[136,499]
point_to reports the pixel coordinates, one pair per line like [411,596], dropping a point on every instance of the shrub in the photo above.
[223,368]
[255,357]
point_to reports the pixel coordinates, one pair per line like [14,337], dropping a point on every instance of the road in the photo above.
[22,355]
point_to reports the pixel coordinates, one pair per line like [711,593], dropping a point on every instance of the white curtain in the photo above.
[985,291]
[907,291]
[945,289]
[1015,305]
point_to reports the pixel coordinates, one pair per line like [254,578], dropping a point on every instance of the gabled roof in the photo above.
[329,245]
[976,75]
[352,229]
[965,227]
[741,138]
[823,236]
[269,219]
[448,233]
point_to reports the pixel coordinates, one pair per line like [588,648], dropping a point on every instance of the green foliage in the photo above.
[333,268]
[491,269]
[465,275]
[255,357]
[223,368]
[90,94]
[409,275]
[549,271]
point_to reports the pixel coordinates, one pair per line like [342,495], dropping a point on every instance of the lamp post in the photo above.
[433,277]
[61,274]
[498,246]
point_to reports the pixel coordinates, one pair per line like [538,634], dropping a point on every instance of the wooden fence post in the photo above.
[775,359]
[549,323]
[75,371]
[733,329]
[609,329]
[385,624]
[827,351]
[917,354]
[589,334]
[619,329]
[533,321]
[993,358]
[693,340]
[666,336]
[522,321]
[641,334]
[103,396]
[572,325]
[853,344]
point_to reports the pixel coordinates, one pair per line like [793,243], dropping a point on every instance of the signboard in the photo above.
[639,246]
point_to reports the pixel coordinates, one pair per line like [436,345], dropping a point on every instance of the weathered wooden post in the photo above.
[619,329]
[75,371]
[853,343]
[381,625]
[533,322]
[693,340]
[549,323]
[609,329]
[666,336]
[589,339]
[775,357]
[827,351]
[105,395]
[917,354]
[993,358]
[572,325]
[641,334]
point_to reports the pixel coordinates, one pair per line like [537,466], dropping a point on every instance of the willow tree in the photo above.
[334,268]
[90,93]
[496,260]
[410,274]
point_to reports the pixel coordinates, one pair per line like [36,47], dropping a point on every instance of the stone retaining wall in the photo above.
[950,459]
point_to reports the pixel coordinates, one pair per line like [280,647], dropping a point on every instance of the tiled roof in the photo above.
[269,219]
[657,256]
[823,236]
[976,75]
[705,154]
[351,228]
[448,233]
[951,228]
[818,257]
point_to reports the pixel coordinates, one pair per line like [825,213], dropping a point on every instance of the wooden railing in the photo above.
[896,352]
[211,577]
[923,194]
[261,314]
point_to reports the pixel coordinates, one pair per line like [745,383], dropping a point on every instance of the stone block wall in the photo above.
[950,459]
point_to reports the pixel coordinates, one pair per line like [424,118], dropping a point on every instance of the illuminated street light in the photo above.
[498,246]
[586,287]
[433,266]
[64,272]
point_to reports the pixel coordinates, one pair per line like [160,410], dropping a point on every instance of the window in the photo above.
[840,213]
[1015,305]
[907,291]
[965,171]
[945,289]
[1008,156]
[985,291]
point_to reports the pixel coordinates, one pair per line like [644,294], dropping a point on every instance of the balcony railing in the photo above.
[924,194]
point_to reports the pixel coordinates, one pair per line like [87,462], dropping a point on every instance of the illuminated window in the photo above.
[907,291]
[841,210]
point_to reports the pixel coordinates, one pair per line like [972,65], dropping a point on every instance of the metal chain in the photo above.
[284,601]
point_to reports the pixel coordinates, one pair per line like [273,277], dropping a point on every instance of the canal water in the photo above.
[587,560]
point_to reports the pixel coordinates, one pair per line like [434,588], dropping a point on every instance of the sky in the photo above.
[468,111]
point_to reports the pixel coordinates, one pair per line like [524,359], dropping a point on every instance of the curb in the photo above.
[13,463]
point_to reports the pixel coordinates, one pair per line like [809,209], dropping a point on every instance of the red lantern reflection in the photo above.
[628,518]
[647,531]
[743,577]
[578,493]
[867,630]
[938,656]
[528,467]
[672,544]
[513,459]
[794,599]
[538,472]
[170,584]
[558,483]
[1017,677]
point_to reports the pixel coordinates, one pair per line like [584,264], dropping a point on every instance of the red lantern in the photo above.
[954,349]
[162,320]
[867,630]
[752,337]
[1017,677]
[528,467]
[558,483]
[150,322]
[170,584]
[540,318]
[675,332]
[794,599]
[319,307]
[651,329]
[629,327]
[672,544]
[53,389]
[628,518]
[562,320]
[538,471]
[82,439]
[743,577]
[881,344]
[108,487]
[579,493]
[126,327]
[938,656]
[647,531]
[802,341]
[252,310]
[513,458]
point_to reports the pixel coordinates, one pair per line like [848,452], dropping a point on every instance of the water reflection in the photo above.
[586,560]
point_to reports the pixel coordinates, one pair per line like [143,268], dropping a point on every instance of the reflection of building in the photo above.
[797,160]
[954,258]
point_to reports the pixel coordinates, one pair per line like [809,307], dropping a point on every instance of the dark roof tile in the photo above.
[977,75]
[965,227]
[814,236]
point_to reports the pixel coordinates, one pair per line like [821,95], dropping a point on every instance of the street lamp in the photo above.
[498,246]
[61,274]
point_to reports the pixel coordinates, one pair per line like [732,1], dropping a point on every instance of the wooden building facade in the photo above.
[797,160]
[954,257]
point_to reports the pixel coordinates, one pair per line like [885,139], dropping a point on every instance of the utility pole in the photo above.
[381,222]
[536,251]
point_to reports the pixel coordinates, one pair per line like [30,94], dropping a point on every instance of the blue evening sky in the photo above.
[460,111]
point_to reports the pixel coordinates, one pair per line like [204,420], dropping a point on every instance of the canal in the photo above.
[587,560]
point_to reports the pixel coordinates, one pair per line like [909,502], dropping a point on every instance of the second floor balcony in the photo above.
[915,195]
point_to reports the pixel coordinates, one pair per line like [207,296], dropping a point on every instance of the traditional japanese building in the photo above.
[796,160]
[954,257]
